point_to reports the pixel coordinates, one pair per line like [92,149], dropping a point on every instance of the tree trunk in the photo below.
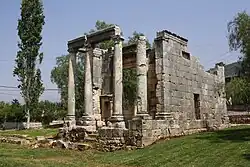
[28,118]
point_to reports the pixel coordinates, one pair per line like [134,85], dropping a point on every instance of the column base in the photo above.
[142,116]
[87,121]
[163,116]
[116,118]
[117,121]
[70,118]
[70,122]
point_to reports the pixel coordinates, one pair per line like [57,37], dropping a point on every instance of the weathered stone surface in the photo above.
[40,138]
[62,144]
[88,95]
[142,68]
[71,87]
[175,96]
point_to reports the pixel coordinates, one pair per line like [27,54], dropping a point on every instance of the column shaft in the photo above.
[88,94]
[117,74]
[71,88]
[141,67]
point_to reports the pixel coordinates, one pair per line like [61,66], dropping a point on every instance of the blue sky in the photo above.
[204,23]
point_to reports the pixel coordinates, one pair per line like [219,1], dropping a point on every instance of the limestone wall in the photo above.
[179,77]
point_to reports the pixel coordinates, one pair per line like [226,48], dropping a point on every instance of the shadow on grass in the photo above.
[246,156]
[239,134]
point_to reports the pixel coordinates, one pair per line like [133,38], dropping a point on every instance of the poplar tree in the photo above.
[28,57]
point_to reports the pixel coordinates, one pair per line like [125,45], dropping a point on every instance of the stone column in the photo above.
[117,80]
[141,67]
[88,94]
[97,82]
[71,86]
[162,53]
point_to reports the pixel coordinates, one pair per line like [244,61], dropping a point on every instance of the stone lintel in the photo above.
[96,37]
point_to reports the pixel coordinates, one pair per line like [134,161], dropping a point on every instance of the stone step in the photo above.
[91,137]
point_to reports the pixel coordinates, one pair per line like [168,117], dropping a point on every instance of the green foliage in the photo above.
[135,36]
[129,86]
[239,38]
[59,76]
[48,111]
[4,110]
[45,112]
[13,112]
[28,57]
[239,90]
[130,75]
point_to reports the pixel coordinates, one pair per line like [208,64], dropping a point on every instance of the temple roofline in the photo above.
[95,37]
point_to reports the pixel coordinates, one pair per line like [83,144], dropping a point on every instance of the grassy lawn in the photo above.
[31,133]
[227,148]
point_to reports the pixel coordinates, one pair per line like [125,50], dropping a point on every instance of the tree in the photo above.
[12,112]
[239,38]
[133,39]
[28,57]
[48,111]
[17,112]
[4,111]
[59,76]
[239,91]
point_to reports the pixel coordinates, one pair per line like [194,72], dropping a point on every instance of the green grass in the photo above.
[31,133]
[226,148]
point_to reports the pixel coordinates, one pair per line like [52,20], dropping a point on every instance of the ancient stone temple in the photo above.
[175,95]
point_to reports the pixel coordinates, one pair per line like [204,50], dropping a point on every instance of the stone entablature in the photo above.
[174,93]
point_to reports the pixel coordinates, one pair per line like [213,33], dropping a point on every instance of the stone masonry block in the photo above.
[117,132]
[147,124]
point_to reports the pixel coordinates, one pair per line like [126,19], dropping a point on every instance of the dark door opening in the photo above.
[197,106]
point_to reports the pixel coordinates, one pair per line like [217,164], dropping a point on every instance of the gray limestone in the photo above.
[88,95]
[117,78]
[141,66]
[71,88]
[175,96]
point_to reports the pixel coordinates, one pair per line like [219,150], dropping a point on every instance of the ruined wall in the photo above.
[179,78]
[180,85]
[182,97]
